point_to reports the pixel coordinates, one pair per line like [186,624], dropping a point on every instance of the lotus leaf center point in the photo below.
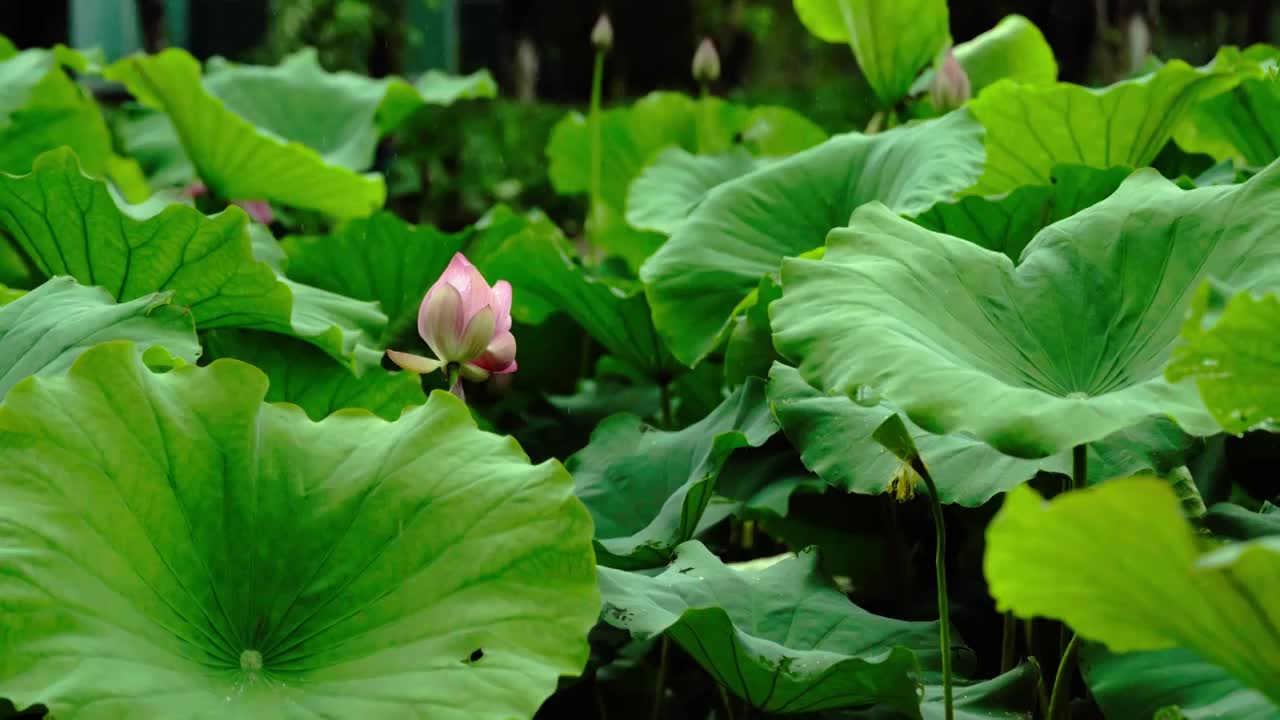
[251,660]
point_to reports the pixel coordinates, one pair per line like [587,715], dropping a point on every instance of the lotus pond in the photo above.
[966,413]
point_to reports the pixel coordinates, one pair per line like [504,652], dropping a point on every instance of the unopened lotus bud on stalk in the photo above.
[706,63]
[951,87]
[467,324]
[602,34]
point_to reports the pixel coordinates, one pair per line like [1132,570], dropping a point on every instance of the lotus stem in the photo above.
[1009,643]
[664,395]
[593,120]
[453,375]
[1067,639]
[1059,701]
[724,697]
[660,687]
[1079,466]
[940,564]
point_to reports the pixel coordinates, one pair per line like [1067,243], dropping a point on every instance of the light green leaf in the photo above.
[43,331]
[1033,127]
[234,158]
[539,262]
[782,636]
[646,488]
[1010,696]
[1120,565]
[1013,49]
[892,41]
[149,138]
[433,88]
[41,108]
[675,183]
[71,225]
[1065,348]
[339,115]
[632,136]
[1140,684]
[1243,124]
[1006,224]
[1232,350]
[380,258]
[300,374]
[745,227]
[189,551]
[834,435]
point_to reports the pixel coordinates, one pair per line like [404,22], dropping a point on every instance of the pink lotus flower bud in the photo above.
[602,34]
[195,189]
[465,322]
[257,210]
[706,63]
[951,87]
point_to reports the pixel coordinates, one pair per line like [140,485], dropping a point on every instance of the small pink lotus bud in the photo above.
[465,322]
[602,34]
[259,210]
[195,189]
[706,63]
[950,88]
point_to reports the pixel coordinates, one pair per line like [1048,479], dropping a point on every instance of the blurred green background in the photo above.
[451,164]
[538,49]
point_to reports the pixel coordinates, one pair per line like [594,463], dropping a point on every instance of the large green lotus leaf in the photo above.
[1014,49]
[1233,521]
[175,547]
[892,41]
[1140,684]
[675,183]
[1010,696]
[1064,348]
[1243,124]
[487,249]
[70,224]
[1006,224]
[432,88]
[335,114]
[782,637]
[632,136]
[235,159]
[380,258]
[41,108]
[1119,564]
[745,227]
[539,262]
[647,488]
[834,435]
[1232,350]
[300,374]
[1031,127]
[44,330]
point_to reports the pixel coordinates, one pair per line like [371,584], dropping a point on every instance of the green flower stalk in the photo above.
[602,39]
